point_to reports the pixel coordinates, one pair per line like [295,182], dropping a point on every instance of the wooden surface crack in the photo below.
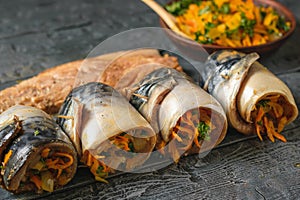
[74,26]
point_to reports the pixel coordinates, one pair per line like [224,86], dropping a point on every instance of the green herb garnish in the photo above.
[206,40]
[36,132]
[282,24]
[260,123]
[247,25]
[131,147]
[99,170]
[263,103]
[203,130]
[206,9]
[122,134]
[209,25]
[179,7]
[225,9]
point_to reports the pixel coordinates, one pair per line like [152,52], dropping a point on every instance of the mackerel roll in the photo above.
[254,99]
[108,132]
[186,118]
[36,155]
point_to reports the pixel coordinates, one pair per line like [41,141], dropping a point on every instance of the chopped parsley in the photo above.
[99,170]
[263,103]
[225,9]
[36,132]
[122,134]
[260,123]
[247,25]
[203,130]
[131,147]
[206,9]
[179,7]
[282,24]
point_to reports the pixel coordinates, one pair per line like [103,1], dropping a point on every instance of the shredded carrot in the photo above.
[258,132]
[176,136]
[258,119]
[277,135]
[59,172]
[270,112]
[188,124]
[58,163]
[89,160]
[122,142]
[94,165]
[187,127]
[37,181]
[282,123]
[260,114]
[98,178]
[278,110]
[69,163]
[52,163]
[7,157]
[174,152]
[196,141]
[229,23]
[160,146]
[45,152]
[269,131]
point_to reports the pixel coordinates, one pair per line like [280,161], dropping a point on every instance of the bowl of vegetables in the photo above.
[260,26]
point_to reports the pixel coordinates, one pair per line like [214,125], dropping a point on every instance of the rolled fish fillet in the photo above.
[108,132]
[187,119]
[254,99]
[36,155]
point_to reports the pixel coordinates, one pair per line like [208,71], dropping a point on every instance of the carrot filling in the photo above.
[235,23]
[97,167]
[195,124]
[50,171]
[124,142]
[270,117]
[6,158]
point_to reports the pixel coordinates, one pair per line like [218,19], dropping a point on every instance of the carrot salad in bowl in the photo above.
[231,23]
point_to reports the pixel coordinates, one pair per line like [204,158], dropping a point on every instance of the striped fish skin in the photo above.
[164,96]
[238,81]
[95,113]
[28,131]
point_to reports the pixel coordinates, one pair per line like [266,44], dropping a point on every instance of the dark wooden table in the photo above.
[35,35]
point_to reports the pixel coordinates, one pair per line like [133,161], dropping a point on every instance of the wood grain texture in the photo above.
[35,35]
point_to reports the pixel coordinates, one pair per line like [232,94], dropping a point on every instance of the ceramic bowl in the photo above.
[188,45]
